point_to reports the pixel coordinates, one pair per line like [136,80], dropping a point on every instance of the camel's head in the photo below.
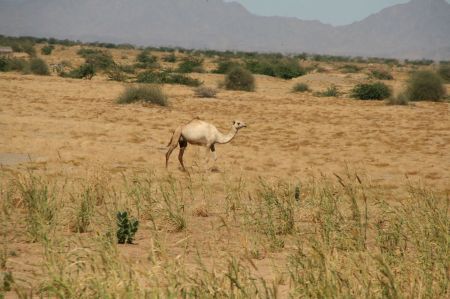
[239,124]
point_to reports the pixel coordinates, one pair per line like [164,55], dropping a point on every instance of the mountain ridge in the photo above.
[414,30]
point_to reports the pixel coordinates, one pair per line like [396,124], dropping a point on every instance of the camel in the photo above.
[198,132]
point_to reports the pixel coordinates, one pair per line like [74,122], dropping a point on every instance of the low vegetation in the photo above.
[224,66]
[285,68]
[39,67]
[84,71]
[166,77]
[239,78]
[350,68]
[371,91]
[331,238]
[425,86]
[99,59]
[300,87]
[146,93]
[331,91]
[400,99]
[444,72]
[381,74]
[47,49]
[205,92]
[145,60]
[191,64]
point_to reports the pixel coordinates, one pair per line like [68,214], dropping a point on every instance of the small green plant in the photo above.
[205,92]
[425,86]
[143,93]
[381,74]
[146,60]
[300,87]
[116,74]
[85,71]
[191,64]
[371,91]
[444,72]
[350,68]
[47,50]
[331,91]
[39,67]
[170,58]
[85,211]
[240,79]
[126,228]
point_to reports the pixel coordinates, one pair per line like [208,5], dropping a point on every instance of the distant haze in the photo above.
[341,12]
[414,30]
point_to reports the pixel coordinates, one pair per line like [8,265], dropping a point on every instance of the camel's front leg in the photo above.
[213,151]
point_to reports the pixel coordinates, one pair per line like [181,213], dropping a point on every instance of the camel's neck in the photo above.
[222,139]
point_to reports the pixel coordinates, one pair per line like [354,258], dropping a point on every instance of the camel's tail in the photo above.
[175,137]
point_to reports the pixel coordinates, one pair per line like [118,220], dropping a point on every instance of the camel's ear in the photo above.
[234,122]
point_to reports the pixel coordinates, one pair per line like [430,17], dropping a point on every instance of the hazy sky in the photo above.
[336,12]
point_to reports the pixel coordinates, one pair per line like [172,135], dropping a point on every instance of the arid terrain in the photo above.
[72,134]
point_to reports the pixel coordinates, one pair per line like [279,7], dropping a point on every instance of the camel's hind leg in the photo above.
[169,152]
[183,146]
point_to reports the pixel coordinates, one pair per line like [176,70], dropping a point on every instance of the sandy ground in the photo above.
[71,125]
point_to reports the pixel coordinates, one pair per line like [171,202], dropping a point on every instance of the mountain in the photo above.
[418,29]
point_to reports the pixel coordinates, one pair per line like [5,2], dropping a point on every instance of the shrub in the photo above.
[85,71]
[101,60]
[47,50]
[401,99]
[170,58]
[145,93]
[444,72]
[371,91]
[425,85]
[331,91]
[205,92]
[39,67]
[190,65]
[350,68]
[4,64]
[126,228]
[165,77]
[116,74]
[381,75]
[224,66]
[146,60]
[240,79]
[286,68]
[300,87]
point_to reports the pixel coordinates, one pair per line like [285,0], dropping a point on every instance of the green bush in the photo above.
[381,75]
[126,228]
[4,64]
[224,66]
[371,91]
[146,60]
[116,74]
[85,71]
[39,67]
[47,50]
[331,91]
[240,79]
[14,64]
[300,87]
[350,68]
[101,60]
[144,93]
[444,72]
[170,58]
[205,92]
[286,68]
[165,77]
[425,86]
[191,64]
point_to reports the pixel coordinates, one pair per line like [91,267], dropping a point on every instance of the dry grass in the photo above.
[273,222]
